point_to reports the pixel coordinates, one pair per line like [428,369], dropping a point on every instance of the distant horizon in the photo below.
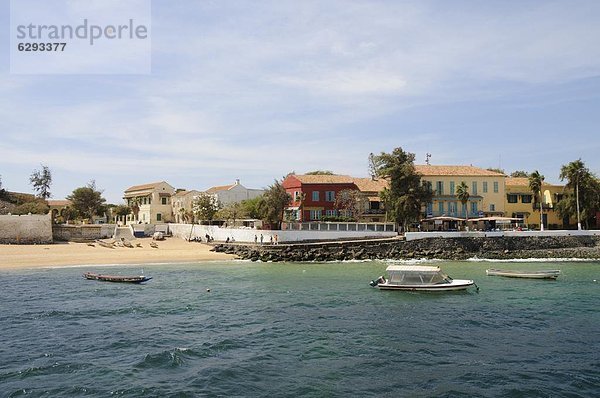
[254,90]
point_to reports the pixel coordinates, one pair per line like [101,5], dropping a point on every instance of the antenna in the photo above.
[427,157]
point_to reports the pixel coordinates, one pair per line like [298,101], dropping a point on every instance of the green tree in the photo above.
[87,201]
[497,170]
[206,207]
[519,174]
[252,207]
[232,211]
[321,173]
[41,181]
[536,181]
[121,210]
[406,194]
[462,194]
[33,207]
[584,185]
[351,202]
[272,207]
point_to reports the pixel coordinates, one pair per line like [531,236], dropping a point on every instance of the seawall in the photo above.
[432,248]
[25,229]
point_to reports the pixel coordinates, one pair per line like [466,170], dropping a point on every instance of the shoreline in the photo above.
[71,254]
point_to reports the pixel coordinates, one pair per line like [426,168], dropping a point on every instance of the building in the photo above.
[485,187]
[183,202]
[58,209]
[233,193]
[150,203]
[313,196]
[521,203]
[370,188]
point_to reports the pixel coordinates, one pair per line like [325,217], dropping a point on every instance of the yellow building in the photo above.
[520,203]
[485,187]
[150,203]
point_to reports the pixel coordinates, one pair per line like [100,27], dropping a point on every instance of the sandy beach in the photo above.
[172,250]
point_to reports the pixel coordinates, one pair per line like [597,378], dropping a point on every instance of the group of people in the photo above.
[273,239]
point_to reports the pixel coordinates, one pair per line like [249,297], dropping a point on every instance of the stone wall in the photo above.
[433,248]
[25,229]
[188,231]
[82,233]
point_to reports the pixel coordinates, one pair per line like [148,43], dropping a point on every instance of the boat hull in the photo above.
[116,278]
[549,274]
[441,287]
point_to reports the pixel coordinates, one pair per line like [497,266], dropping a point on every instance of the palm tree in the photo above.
[462,194]
[535,184]
[575,172]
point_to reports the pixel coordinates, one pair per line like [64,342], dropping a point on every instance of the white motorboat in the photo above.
[418,277]
[539,274]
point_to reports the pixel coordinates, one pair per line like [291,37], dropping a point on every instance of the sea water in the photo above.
[241,329]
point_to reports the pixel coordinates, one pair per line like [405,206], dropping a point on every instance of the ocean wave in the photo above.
[413,261]
[530,260]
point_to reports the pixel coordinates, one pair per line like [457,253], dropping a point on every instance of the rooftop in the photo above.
[144,187]
[471,171]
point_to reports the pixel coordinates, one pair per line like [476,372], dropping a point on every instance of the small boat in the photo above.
[539,274]
[425,278]
[116,278]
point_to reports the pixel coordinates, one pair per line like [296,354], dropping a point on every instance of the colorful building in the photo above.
[485,188]
[521,203]
[313,196]
[370,188]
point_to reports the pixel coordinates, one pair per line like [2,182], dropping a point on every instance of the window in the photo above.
[296,196]
[452,188]
[330,196]
[315,196]
[474,188]
[526,198]
[159,216]
[512,198]
[441,207]
[473,207]
[315,214]
[331,213]
[163,200]
[495,186]
[429,209]
[452,208]
[439,187]
[484,186]
[492,207]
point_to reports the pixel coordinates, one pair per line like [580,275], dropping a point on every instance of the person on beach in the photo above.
[271,239]
[261,239]
[276,239]
[255,239]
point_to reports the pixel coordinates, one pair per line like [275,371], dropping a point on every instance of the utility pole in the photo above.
[577,198]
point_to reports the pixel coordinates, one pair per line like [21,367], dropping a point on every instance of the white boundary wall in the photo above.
[493,234]
[33,228]
[185,231]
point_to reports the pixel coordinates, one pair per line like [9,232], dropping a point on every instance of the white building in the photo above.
[227,194]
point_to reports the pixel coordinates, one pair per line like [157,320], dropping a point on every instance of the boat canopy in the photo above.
[416,275]
[412,268]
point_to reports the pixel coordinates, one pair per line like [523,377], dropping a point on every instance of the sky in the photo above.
[257,89]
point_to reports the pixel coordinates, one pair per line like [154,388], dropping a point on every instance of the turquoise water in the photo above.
[315,330]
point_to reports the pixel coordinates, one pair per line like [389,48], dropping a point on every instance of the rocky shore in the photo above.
[587,247]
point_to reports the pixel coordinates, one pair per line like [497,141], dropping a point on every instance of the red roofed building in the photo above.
[313,196]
